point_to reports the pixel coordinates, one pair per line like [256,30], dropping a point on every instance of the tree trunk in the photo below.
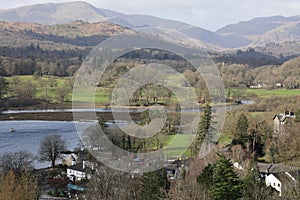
[52,163]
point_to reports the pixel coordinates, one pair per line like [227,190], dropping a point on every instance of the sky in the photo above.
[208,14]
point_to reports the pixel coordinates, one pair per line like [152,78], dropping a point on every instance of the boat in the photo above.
[12,130]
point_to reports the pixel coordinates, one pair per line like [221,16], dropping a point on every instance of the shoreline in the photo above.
[63,116]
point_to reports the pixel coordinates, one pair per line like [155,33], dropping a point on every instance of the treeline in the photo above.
[250,57]
[32,59]
[18,92]
[93,40]
[243,75]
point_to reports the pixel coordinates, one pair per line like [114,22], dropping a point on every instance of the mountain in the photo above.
[264,30]
[255,32]
[52,13]
[59,13]
[70,35]
[57,49]
[255,26]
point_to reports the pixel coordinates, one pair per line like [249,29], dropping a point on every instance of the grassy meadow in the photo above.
[265,93]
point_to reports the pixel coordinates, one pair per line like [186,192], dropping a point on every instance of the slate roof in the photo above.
[275,168]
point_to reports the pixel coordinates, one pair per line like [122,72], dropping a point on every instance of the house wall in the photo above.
[272,181]
[277,125]
[78,174]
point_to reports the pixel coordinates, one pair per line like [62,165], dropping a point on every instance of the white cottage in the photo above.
[281,120]
[280,177]
[274,182]
[78,172]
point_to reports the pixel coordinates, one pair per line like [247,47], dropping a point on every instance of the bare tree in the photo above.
[51,147]
[23,186]
[62,92]
[16,161]
[110,184]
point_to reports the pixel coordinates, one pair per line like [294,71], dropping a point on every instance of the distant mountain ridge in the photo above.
[258,31]
[70,35]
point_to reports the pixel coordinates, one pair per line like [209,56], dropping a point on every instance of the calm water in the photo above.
[29,134]
[106,109]
[75,110]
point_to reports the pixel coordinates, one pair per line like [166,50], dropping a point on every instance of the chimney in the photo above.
[287,113]
[292,114]
[73,162]
[269,167]
[83,164]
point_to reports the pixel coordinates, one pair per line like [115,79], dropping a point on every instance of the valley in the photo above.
[99,104]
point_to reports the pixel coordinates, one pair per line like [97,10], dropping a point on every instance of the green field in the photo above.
[225,139]
[178,145]
[275,92]
[59,82]
[102,95]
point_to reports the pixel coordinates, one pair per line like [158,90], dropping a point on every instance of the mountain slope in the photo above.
[51,13]
[258,31]
[255,26]
[284,33]
[65,12]
[79,33]
[265,29]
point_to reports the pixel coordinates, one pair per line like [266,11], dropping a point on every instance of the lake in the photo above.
[29,134]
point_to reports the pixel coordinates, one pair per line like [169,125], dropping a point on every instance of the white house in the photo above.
[280,177]
[274,182]
[280,120]
[70,159]
[278,85]
[258,86]
[78,171]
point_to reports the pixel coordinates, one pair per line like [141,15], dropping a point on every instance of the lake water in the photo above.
[29,134]
[109,109]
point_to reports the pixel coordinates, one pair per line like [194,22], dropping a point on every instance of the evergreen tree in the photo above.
[204,130]
[3,87]
[123,142]
[129,146]
[155,185]
[206,177]
[226,184]
[241,131]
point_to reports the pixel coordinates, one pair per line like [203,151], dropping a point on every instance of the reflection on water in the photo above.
[106,109]
[75,110]
[28,135]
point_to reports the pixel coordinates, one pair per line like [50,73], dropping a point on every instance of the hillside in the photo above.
[255,32]
[264,30]
[256,26]
[77,33]
[65,12]
[26,48]
[52,13]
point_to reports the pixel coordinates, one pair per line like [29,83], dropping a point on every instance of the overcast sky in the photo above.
[209,14]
